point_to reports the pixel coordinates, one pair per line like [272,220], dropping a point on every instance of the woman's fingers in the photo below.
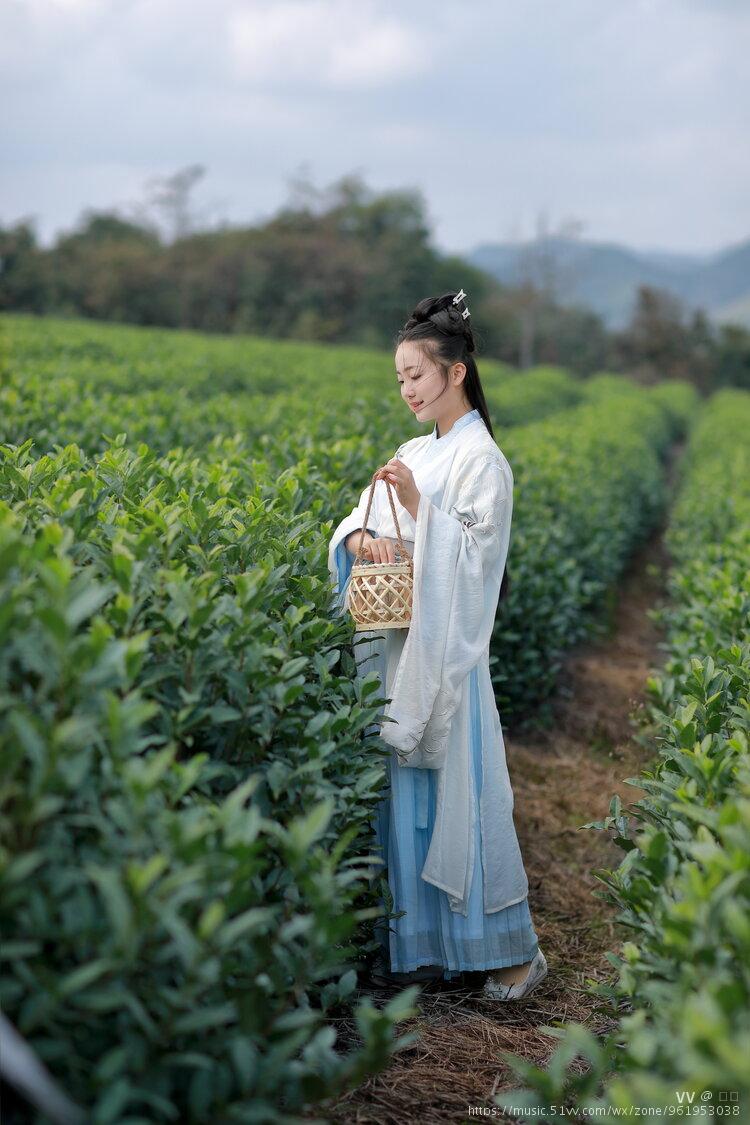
[382,550]
[387,472]
[388,551]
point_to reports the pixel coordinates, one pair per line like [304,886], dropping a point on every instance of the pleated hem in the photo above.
[463,967]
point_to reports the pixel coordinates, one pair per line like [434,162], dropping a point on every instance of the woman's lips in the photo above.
[415,406]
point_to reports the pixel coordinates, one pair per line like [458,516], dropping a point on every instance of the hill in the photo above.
[605,276]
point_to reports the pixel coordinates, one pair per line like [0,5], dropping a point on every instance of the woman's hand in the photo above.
[402,479]
[375,548]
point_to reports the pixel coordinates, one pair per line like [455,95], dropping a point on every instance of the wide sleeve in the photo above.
[459,557]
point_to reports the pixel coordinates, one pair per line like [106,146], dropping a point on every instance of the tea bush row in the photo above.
[681,1001]
[185,787]
[80,382]
[588,490]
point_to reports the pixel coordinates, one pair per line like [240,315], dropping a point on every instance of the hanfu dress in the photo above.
[445,828]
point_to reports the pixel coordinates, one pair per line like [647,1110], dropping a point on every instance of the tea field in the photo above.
[187,773]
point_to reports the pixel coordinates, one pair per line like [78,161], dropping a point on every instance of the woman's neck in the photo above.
[446,422]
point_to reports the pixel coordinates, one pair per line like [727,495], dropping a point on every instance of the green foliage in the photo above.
[344,268]
[680,1004]
[343,265]
[74,381]
[681,402]
[588,489]
[188,773]
[185,791]
[531,395]
[289,407]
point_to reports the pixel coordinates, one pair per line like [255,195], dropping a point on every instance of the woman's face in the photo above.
[421,380]
[422,384]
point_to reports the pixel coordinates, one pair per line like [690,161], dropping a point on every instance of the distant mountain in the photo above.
[605,276]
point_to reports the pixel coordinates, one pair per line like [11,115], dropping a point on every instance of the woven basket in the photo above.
[380,594]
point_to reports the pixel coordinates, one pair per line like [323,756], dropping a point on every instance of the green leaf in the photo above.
[256,919]
[305,830]
[204,1018]
[85,604]
[317,723]
[82,977]
[115,899]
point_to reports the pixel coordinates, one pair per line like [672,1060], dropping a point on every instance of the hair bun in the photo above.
[445,313]
[426,309]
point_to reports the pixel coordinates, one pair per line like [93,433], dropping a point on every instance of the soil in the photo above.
[563,777]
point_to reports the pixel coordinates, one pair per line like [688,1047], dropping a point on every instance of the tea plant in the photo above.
[681,1001]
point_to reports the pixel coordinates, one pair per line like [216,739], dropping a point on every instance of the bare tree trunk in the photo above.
[528,325]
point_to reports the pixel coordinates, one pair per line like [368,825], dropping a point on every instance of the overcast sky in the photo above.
[630,116]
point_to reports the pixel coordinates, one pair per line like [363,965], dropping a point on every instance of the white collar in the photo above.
[464,420]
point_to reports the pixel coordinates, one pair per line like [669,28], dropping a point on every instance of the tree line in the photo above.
[345,265]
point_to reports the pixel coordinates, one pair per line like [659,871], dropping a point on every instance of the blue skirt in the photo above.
[430,933]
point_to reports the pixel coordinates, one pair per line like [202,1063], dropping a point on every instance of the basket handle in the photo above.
[404,552]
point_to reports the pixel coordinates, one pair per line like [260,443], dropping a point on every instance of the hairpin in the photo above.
[461,296]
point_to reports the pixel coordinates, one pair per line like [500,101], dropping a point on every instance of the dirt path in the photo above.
[561,778]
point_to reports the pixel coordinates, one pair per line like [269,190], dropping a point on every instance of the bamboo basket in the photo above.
[379,595]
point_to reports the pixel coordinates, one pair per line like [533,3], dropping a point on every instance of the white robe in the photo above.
[460,542]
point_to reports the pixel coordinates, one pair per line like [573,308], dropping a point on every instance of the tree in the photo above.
[540,275]
[170,196]
[733,360]
[24,272]
[655,338]
[105,268]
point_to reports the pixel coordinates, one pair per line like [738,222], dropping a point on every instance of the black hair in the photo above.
[447,337]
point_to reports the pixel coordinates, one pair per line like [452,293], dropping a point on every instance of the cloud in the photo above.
[633,117]
[323,43]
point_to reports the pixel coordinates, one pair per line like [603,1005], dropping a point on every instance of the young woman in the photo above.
[445,830]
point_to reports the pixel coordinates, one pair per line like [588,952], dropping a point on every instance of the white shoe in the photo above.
[496,990]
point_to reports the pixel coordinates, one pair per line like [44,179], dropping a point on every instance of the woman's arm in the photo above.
[463,552]
[352,541]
